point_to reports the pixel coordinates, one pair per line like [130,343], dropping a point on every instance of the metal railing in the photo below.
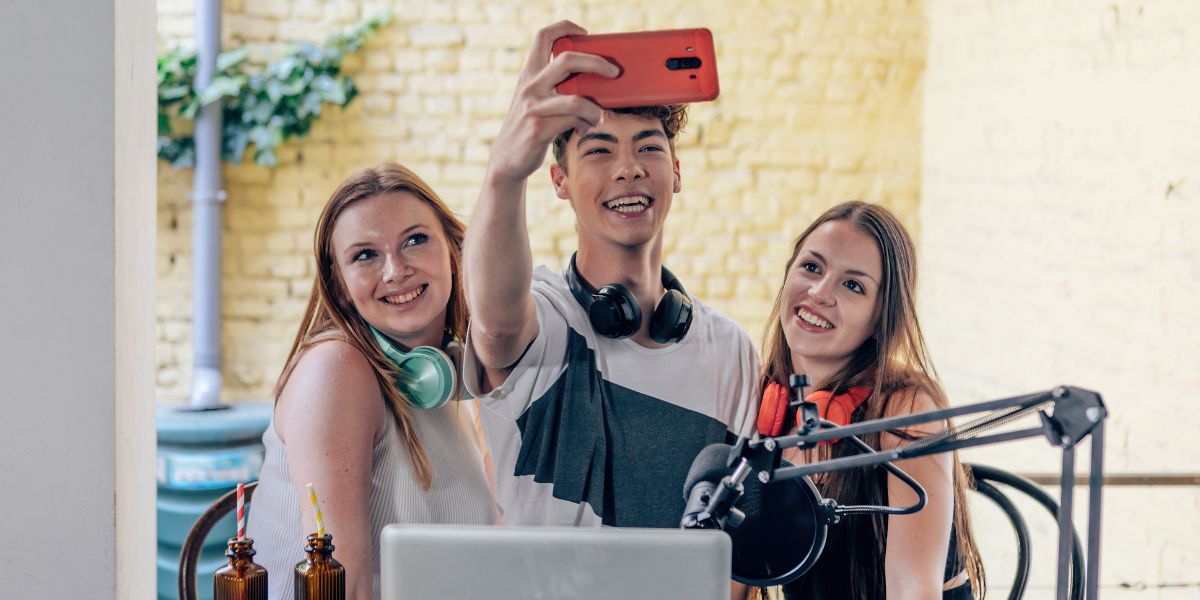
[1126,479]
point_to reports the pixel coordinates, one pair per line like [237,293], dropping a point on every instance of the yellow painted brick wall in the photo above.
[820,103]
[1060,206]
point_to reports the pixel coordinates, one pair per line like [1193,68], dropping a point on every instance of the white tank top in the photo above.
[459,493]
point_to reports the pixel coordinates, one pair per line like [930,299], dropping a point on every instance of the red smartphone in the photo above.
[671,66]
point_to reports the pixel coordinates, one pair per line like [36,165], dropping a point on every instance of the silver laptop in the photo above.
[420,562]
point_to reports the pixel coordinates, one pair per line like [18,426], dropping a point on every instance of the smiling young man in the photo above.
[593,409]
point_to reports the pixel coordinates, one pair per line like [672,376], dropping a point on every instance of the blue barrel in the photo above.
[201,456]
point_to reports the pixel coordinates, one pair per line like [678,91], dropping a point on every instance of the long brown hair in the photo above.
[894,362]
[331,315]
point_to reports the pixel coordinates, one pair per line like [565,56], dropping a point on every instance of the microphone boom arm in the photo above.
[1077,413]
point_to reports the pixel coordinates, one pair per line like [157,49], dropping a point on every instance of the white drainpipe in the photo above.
[207,198]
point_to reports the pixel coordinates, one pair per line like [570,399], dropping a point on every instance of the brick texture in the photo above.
[820,103]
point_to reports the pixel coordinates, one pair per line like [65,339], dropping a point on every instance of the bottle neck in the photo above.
[241,549]
[319,549]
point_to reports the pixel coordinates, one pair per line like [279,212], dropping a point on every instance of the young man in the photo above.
[586,428]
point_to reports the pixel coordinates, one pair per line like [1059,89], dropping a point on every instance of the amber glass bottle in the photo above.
[241,579]
[320,576]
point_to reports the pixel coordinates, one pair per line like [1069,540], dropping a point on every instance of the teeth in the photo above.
[628,204]
[812,319]
[406,298]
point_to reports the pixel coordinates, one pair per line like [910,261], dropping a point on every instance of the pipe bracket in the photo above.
[207,196]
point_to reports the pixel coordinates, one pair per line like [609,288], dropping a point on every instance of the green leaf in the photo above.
[310,106]
[294,86]
[265,157]
[329,89]
[232,58]
[262,112]
[238,143]
[221,87]
[274,90]
[166,147]
[186,156]
[260,106]
[283,67]
[190,108]
[260,135]
[184,161]
[173,91]
[333,54]
[310,52]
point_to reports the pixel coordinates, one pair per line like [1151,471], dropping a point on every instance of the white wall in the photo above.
[76,261]
[1060,232]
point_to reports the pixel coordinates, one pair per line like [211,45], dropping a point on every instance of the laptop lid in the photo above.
[455,561]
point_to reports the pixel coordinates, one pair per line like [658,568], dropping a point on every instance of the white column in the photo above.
[77,226]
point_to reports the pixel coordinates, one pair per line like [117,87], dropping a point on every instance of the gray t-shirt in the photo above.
[591,431]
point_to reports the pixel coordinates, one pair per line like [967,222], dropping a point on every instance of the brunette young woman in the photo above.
[845,316]
[387,259]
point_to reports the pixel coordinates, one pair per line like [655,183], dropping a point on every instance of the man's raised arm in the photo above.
[497,262]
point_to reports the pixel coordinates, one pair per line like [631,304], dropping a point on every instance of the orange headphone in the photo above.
[773,411]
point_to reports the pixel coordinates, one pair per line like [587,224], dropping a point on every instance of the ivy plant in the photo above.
[265,106]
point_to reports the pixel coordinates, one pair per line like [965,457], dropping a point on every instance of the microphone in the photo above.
[711,490]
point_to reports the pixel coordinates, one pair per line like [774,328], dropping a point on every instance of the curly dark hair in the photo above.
[672,116]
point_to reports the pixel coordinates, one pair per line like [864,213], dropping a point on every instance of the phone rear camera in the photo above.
[688,62]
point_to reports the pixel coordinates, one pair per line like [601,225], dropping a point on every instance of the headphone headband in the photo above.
[614,312]
[775,414]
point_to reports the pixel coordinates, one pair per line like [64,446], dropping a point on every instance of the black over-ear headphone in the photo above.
[615,313]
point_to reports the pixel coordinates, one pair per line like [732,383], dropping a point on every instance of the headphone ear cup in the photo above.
[839,409]
[672,318]
[842,406]
[426,374]
[614,312]
[428,377]
[822,398]
[772,411]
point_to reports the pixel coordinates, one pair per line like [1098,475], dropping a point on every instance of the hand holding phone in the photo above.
[673,66]
[538,113]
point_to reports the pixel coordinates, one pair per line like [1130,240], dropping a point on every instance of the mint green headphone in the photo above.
[427,374]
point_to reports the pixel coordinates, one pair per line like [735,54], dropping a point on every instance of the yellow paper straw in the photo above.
[312,496]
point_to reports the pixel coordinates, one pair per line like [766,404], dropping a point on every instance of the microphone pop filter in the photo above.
[783,533]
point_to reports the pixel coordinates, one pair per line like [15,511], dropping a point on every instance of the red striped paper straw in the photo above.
[241,511]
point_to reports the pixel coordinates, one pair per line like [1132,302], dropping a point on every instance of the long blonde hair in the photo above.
[893,362]
[331,315]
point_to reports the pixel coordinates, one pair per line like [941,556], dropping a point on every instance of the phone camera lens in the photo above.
[690,62]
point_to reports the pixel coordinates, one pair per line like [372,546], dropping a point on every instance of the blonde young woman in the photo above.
[388,257]
[845,316]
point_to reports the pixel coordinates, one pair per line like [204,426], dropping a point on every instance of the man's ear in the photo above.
[678,178]
[558,176]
